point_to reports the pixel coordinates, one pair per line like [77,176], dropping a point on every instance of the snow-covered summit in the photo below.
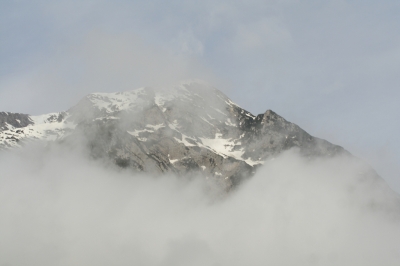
[188,91]
[188,127]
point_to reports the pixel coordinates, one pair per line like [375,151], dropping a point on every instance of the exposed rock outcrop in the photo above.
[189,128]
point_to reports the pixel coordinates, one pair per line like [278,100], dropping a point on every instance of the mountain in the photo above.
[190,128]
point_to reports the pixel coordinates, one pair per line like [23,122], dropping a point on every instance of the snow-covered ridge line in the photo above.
[53,125]
[118,101]
[48,127]
[188,126]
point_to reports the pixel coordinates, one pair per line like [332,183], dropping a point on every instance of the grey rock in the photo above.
[14,119]
[191,129]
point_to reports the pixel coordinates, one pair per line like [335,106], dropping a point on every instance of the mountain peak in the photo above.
[185,128]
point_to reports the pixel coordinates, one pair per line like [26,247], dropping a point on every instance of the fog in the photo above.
[59,207]
[101,62]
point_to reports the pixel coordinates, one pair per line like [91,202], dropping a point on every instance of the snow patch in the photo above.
[112,102]
[148,128]
[43,128]
[223,146]
[156,127]
[229,123]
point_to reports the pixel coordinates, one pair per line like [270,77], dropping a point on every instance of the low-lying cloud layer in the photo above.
[60,208]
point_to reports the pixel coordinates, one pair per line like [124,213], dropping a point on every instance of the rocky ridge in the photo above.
[190,128]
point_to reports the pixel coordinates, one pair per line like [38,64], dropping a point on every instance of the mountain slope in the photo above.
[192,127]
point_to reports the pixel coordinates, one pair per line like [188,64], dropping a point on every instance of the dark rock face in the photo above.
[190,129]
[269,134]
[14,119]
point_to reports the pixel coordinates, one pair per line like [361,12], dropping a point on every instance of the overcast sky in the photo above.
[332,66]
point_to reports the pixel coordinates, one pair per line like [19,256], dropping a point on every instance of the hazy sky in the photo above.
[331,66]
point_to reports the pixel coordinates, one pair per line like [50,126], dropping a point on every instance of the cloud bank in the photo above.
[58,207]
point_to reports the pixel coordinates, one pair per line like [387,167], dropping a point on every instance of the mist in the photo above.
[100,62]
[60,207]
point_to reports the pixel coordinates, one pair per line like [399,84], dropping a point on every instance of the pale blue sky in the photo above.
[330,66]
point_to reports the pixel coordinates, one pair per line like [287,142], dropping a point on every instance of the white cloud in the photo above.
[63,209]
[101,62]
